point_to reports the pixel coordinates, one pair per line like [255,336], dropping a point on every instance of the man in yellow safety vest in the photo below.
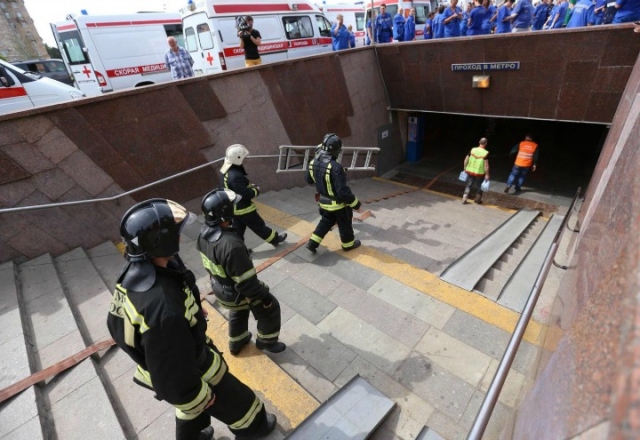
[476,165]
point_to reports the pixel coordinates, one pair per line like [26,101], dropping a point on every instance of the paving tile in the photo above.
[488,339]
[21,409]
[411,301]
[351,271]
[512,387]
[310,379]
[310,305]
[30,430]
[454,355]
[446,427]
[499,417]
[367,341]
[319,349]
[317,278]
[272,276]
[444,391]
[401,326]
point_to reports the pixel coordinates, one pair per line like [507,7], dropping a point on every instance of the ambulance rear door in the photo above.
[323,30]
[75,54]
[202,42]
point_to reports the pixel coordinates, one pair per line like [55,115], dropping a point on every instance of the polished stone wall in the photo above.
[104,146]
[567,74]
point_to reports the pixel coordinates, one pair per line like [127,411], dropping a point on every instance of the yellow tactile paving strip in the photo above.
[417,278]
[263,375]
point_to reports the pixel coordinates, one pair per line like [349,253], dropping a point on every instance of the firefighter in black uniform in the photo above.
[335,198]
[233,277]
[234,177]
[157,319]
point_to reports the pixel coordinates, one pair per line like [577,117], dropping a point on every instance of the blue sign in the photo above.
[479,67]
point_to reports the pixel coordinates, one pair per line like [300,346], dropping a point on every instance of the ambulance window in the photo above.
[204,36]
[297,27]
[175,31]
[360,21]
[190,39]
[324,26]
[72,45]
[421,13]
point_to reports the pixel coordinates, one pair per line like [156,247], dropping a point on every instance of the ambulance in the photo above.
[289,29]
[353,15]
[22,90]
[115,52]
[422,11]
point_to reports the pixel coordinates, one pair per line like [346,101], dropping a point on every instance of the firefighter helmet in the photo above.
[217,206]
[152,229]
[331,143]
[234,156]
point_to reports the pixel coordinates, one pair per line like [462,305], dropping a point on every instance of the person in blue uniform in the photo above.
[476,16]
[581,13]
[522,15]
[428,27]
[540,14]
[369,30]
[398,26]
[340,34]
[464,22]
[352,37]
[627,11]
[383,26]
[597,15]
[489,18]
[557,16]
[438,23]
[451,20]
[410,26]
[504,18]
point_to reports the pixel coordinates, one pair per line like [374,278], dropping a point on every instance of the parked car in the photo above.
[54,69]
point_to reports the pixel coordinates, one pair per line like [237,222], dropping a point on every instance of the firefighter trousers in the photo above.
[253,221]
[268,321]
[343,217]
[236,405]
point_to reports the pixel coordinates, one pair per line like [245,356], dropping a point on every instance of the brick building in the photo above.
[19,39]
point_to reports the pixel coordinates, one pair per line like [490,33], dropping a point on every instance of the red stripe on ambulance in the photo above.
[255,8]
[133,23]
[12,92]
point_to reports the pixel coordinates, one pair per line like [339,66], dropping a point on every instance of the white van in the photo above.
[21,90]
[288,30]
[353,15]
[115,52]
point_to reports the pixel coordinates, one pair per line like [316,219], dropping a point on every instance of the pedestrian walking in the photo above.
[526,159]
[476,165]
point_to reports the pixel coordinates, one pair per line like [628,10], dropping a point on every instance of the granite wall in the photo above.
[104,146]
[571,75]
[586,383]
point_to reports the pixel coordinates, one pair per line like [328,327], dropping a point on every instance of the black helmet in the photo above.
[152,229]
[217,206]
[331,143]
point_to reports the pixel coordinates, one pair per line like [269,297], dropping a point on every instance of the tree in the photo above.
[53,52]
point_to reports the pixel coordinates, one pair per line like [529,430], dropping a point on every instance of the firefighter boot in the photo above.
[272,346]
[266,427]
[235,347]
[312,246]
[279,239]
[356,244]
[206,433]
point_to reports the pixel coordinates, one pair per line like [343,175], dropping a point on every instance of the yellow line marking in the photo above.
[414,277]
[263,375]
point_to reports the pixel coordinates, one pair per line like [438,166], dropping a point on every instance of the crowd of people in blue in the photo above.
[483,17]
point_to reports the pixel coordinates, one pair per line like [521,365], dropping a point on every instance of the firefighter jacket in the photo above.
[236,180]
[331,183]
[227,260]
[163,330]
[475,164]
[527,154]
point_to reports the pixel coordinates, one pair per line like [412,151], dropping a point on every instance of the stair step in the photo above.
[76,400]
[108,261]
[19,415]
[489,288]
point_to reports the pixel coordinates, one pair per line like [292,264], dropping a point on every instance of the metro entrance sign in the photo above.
[479,67]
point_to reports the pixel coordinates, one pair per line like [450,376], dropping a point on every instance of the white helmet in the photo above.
[234,156]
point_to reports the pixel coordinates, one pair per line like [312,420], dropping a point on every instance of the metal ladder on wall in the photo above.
[297,157]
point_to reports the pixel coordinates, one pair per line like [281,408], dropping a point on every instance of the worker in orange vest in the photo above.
[526,160]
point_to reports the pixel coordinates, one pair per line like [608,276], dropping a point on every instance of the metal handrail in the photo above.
[124,194]
[491,398]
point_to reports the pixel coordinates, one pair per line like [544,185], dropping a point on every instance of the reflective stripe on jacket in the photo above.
[475,164]
[526,150]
